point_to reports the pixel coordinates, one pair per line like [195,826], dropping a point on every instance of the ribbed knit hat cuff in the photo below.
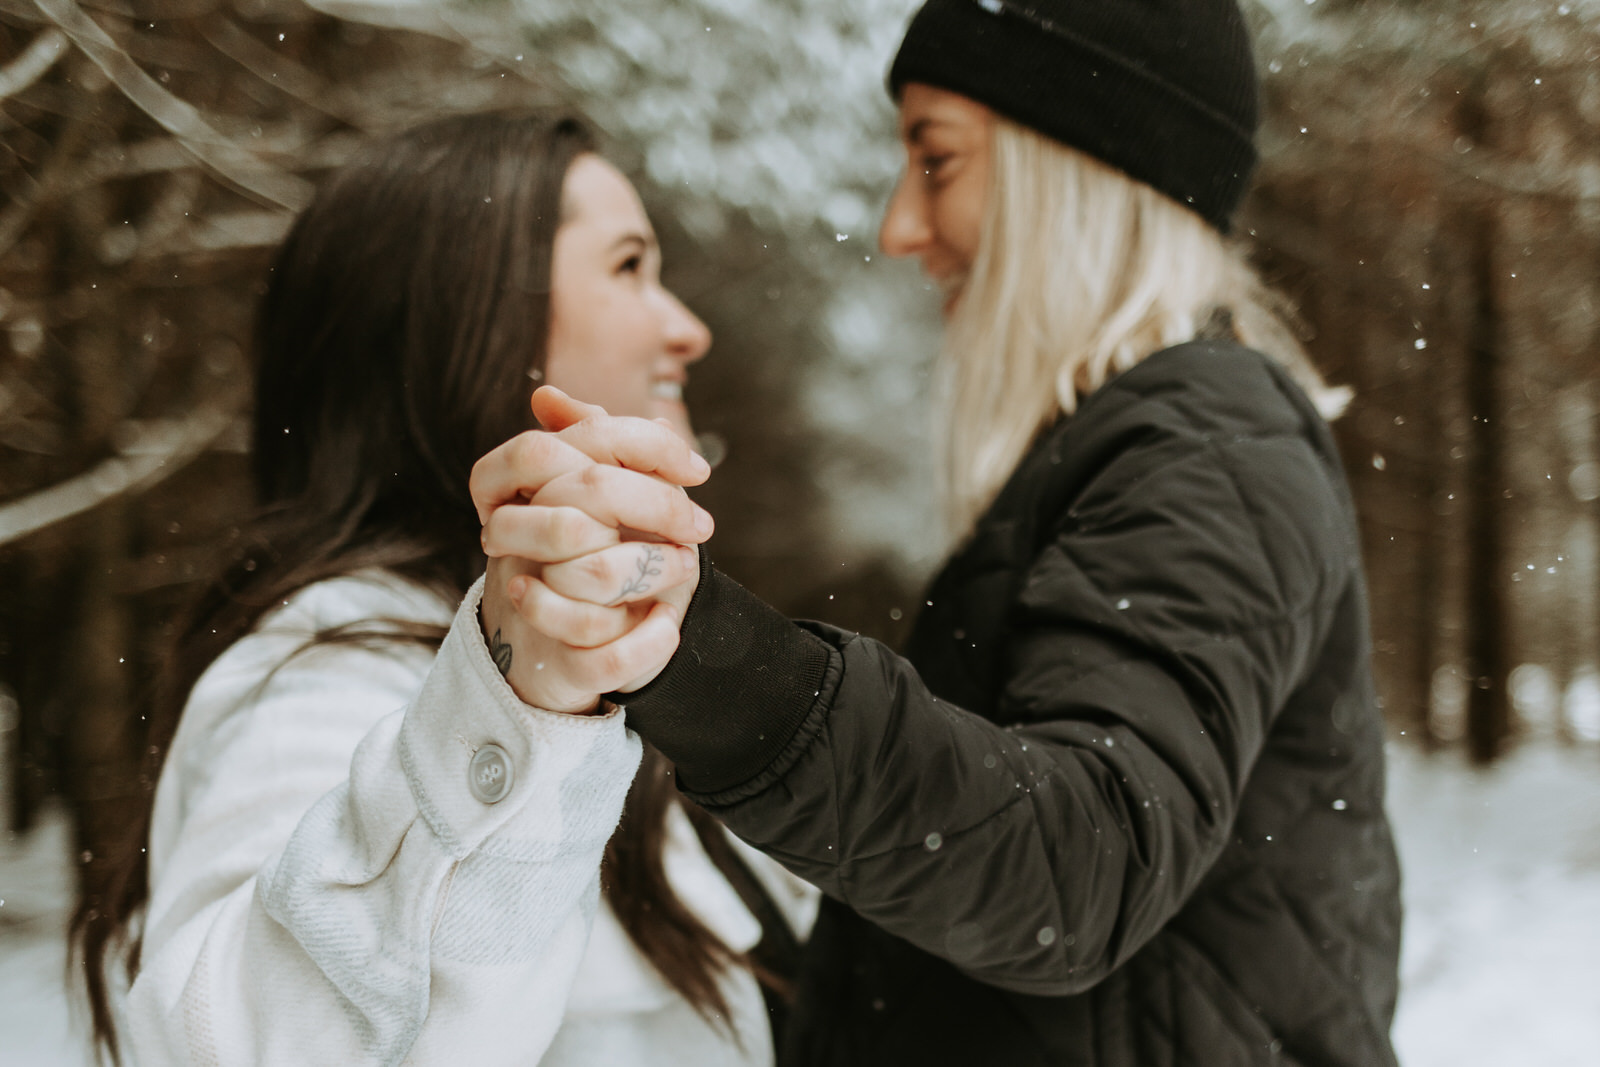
[1086,97]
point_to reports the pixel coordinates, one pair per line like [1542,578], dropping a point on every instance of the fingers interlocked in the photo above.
[589,533]
[518,469]
[626,573]
[578,623]
[539,505]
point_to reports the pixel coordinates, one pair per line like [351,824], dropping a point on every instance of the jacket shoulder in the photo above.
[1202,394]
[1209,387]
[1204,471]
[372,602]
[372,595]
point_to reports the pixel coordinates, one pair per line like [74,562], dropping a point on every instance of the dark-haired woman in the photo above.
[365,845]
[1121,804]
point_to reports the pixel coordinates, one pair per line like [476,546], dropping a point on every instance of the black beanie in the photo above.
[1163,90]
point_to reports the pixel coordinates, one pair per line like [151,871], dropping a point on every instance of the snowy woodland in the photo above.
[1429,199]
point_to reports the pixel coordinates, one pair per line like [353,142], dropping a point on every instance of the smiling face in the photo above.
[617,338]
[936,212]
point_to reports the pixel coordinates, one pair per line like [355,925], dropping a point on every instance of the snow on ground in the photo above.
[1501,961]
[37,1028]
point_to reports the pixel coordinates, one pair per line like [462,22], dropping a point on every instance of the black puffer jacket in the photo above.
[1124,803]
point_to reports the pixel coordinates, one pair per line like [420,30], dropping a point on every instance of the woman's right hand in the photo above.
[603,497]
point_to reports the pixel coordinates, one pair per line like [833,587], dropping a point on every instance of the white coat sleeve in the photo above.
[336,892]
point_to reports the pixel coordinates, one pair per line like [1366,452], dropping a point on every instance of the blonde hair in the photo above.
[1081,272]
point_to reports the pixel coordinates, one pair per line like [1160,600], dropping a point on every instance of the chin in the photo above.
[953,287]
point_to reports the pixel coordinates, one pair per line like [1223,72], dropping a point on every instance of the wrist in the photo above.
[724,712]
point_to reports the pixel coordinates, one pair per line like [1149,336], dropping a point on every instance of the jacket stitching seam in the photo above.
[915,845]
[1225,464]
[1226,1011]
[1102,667]
[1317,600]
[1350,1000]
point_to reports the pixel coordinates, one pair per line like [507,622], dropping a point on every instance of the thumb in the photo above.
[556,410]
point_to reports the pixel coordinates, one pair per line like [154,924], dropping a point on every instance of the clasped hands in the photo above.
[591,544]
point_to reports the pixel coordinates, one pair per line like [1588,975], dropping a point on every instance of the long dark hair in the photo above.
[404,315]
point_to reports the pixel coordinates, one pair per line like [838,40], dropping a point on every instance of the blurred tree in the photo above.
[1430,193]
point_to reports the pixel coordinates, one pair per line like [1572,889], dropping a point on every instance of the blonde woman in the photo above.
[1122,802]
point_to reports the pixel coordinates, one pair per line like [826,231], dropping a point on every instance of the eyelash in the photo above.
[632,265]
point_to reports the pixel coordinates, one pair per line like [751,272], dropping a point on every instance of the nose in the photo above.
[905,230]
[687,338]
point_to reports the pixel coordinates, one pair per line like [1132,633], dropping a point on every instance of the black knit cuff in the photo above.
[739,686]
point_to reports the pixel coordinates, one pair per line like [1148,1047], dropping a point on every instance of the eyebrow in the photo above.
[922,125]
[648,241]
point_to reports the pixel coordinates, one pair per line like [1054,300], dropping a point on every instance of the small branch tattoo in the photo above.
[500,652]
[639,584]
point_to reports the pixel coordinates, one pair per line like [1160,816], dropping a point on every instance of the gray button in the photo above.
[489,775]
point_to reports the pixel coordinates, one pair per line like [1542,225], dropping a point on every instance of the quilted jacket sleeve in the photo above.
[1173,609]
[328,888]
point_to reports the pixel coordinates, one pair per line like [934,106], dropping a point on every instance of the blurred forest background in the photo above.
[1430,198]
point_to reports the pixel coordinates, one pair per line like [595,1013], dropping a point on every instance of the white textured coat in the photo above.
[325,887]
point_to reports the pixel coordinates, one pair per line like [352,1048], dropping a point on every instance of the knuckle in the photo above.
[596,567]
[571,529]
[555,490]
[611,664]
[595,626]
[640,434]
[586,630]
[532,451]
[535,608]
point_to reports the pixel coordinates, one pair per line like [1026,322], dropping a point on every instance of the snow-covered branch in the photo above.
[157,452]
[32,64]
[236,164]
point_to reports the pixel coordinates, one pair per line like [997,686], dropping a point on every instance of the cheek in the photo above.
[959,218]
[583,323]
[575,361]
[959,231]
[602,350]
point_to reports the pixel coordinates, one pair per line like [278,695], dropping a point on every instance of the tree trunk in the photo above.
[1488,708]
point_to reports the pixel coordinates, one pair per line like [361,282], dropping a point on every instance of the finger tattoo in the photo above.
[500,651]
[639,584]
